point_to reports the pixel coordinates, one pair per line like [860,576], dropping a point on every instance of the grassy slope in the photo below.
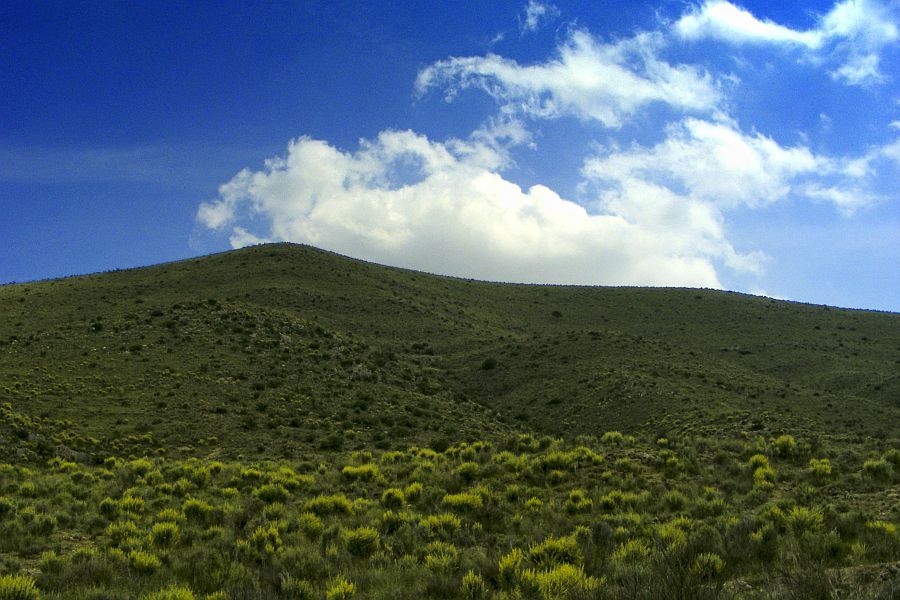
[247,379]
[281,349]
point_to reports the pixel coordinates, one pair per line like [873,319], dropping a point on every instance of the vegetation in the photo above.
[283,422]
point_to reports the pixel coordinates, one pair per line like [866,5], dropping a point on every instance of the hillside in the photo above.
[277,349]
[283,422]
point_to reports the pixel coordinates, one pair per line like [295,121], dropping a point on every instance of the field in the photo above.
[284,422]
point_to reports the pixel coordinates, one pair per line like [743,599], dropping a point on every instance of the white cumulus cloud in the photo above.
[405,200]
[605,82]
[853,32]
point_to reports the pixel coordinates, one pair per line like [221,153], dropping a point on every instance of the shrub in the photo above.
[18,587]
[413,491]
[198,510]
[613,437]
[508,567]
[675,500]
[266,539]
[785,446]
[393,498]
[300,589]
[340,589]
[361,542]
[175,592]
[120,531]
[441,557]
[631,551]
[467,471]
[329,505]
[464,501]
[534,504]
[764,477]
[164,534]
[707,566]
[132,504]
[555,551]
[138,467]
[801,519]
[878,469]
[109,508]
[272,492]
[578,501]
[310,525]
[143,562]
[441,524]
[758,460]
[366,472]
[474,587]
[819,467]
[562,581]
[169,514]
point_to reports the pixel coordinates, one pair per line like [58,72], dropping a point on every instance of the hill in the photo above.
[297,348]
[280,421]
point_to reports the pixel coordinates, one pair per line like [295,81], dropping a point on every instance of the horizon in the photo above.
[430,274]
[749,147]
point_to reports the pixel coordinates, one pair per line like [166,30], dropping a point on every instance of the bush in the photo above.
[878,469]
[329,505]
[613,437]
[707,566]
[474,587]
[164,534]
[467,471]
[441,557]
[299,589]
[562,581]
[441,524]
[508,567]
[310,525]
[367,472]
[578,501]
[272,492]
[143,562]
[465,501]
[18,587]
[199,511]
[801,519]
[340,589]
[175,592]
[361,542]
[393,498]
[785,446]
[555,551]
[631,551]
[819,467]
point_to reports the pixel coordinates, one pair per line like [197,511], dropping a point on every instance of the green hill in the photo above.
[281,421]
[307,349]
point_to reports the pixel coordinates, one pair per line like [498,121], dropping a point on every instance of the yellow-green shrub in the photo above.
[561,582]
[340,589]
[361,541]
[18,587]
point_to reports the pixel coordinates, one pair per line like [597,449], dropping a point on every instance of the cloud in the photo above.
[588,79]
[712,162]
[705,168]
[725,21]
[536,15]
[853,32]
[405,200]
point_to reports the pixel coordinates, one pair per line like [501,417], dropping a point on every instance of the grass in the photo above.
[305,425]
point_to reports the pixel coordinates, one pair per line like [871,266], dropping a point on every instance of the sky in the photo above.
[749,146]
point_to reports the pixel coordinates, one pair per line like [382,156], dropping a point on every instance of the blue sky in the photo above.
[749,146]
